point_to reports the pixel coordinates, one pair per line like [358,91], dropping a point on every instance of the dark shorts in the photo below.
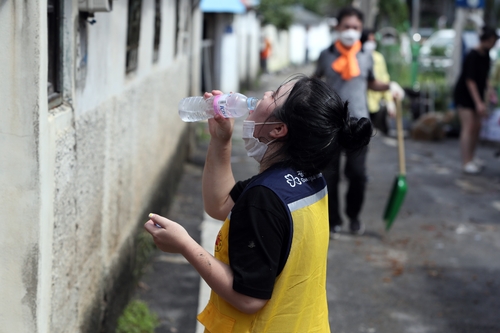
[460,106]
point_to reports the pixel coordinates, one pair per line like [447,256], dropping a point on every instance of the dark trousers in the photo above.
[355,171]
[378,120]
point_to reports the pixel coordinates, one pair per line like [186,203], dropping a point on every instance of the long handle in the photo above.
[401,142]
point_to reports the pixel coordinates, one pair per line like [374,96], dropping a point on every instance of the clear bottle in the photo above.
[228,105]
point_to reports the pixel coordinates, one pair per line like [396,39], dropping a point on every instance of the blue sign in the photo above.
[470,3]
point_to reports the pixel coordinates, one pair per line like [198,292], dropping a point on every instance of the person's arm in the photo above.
[377,85]
[396,90]
[173,238]
[319,72]
[476,97]
[381,73]
[218,179]
[491,93]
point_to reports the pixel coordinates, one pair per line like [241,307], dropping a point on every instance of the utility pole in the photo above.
[415,46]
[369,8]
[415,17]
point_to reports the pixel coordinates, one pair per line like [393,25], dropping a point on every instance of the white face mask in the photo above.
[253,146]
[370,46]
[349,37]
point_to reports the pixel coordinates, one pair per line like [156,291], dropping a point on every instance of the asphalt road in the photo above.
[436,271]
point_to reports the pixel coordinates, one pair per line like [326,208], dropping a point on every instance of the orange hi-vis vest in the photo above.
[298,303]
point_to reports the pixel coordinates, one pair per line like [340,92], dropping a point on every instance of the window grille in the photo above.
[133,33]
[156,46]
[54,53]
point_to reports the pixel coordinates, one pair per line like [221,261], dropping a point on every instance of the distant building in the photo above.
[230,44]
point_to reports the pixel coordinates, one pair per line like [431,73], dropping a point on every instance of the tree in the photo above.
[393,12]
[276,12]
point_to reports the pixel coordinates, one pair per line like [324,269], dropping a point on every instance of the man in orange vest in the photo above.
[264,54]
[349,71]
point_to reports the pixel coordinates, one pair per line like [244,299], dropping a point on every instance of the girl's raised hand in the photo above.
[220,128]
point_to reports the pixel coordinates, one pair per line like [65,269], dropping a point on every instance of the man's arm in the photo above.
[319,72]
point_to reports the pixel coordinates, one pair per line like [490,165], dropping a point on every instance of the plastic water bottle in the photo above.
[228,105]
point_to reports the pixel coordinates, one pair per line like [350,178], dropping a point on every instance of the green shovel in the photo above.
[399,187]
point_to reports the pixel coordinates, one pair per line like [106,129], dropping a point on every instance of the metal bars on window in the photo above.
[133,33]
[156,45]
[54,52]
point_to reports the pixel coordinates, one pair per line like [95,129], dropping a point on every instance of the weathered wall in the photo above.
[75,180]
[19,168]
[280,52]
[318,38]
[248,36]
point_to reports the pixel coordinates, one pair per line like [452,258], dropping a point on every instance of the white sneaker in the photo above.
[471,168]
[479,162]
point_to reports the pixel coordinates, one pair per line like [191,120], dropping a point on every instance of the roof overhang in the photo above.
[222,6]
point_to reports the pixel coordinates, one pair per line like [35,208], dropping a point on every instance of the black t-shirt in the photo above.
[259,239]
[476,67]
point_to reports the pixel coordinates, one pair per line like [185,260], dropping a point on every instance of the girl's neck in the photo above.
[269,159]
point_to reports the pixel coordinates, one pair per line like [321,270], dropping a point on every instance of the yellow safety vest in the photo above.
[299,302]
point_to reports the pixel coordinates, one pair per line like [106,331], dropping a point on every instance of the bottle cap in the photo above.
[252,103]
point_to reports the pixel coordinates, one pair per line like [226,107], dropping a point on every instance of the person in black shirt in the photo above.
[469,97]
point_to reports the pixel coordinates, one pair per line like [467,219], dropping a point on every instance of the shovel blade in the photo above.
[396,199]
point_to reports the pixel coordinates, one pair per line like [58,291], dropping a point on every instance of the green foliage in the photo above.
[315,6]
[144,249]
[438,51]
[276,12]
[433,84]
[395,12]
[137,318]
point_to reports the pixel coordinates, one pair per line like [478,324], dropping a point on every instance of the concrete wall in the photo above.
[248,34]
[75,180]
[316,40]
[280,55]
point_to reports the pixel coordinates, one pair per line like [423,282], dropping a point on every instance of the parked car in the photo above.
[437,51]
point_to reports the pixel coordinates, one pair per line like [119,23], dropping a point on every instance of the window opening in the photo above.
[156,46]
[54,53]
[177,25]
[133,33]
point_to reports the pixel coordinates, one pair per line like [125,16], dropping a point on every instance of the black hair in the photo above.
[487,33]
[349,11]
[319,124]
[365,34]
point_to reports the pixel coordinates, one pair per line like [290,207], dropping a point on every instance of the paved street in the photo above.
[436,271]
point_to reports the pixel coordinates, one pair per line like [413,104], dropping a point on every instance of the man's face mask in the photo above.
[349,37]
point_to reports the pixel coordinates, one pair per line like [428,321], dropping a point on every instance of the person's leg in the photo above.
[467,132]
[382,120]
[476,130]
[331,174]
[355,171]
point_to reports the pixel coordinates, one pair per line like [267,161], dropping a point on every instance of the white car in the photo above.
[437,50]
